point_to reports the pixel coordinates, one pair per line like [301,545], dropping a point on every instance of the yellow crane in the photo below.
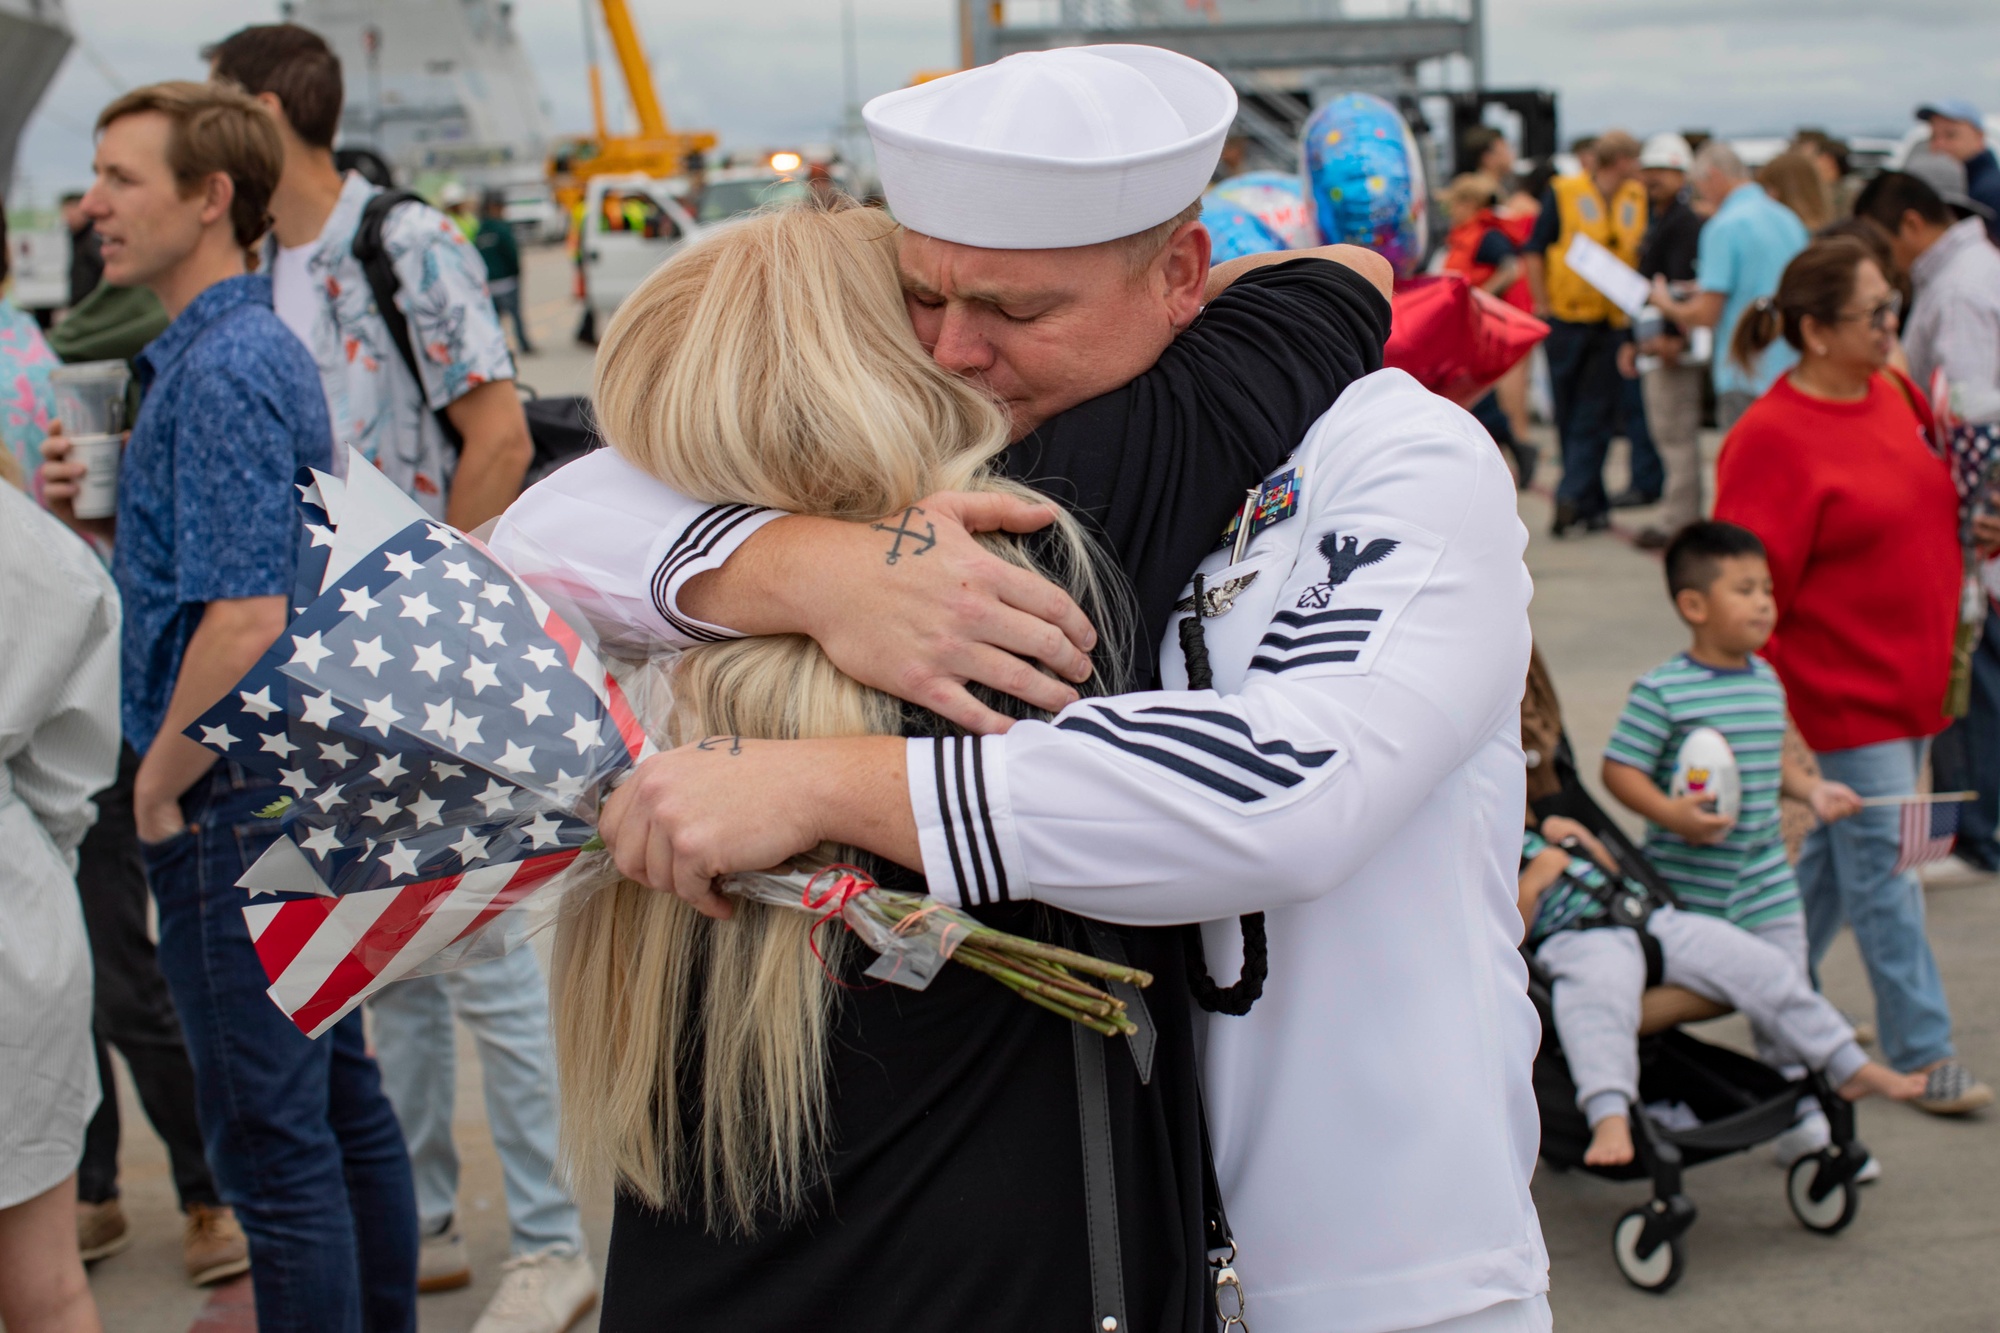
[656,150]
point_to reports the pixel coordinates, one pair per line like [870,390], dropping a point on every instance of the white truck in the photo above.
[632,223]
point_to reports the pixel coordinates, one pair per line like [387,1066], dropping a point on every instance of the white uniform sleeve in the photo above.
[606,543]
[1173,806]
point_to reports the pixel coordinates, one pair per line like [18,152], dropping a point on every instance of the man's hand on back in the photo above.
[911,604]
[725,804]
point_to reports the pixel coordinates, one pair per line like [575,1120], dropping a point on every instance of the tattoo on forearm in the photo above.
[715,743]
[906,528]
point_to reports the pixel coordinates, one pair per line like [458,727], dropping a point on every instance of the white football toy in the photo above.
[1706,766]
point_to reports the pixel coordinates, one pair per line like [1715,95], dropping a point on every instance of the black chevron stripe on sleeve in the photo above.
[1308,758]
[693,545]
[1211,747]
[1166,759]
[1278,665]
[1298,620]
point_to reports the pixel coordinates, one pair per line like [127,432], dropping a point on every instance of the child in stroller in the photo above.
[1606,1056]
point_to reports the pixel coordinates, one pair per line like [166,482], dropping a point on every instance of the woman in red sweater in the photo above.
[1832,469]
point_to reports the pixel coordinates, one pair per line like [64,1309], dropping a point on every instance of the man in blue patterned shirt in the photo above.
[303,1143]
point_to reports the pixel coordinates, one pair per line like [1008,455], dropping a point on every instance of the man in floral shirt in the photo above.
[321,291]
[27,402]
[322,294]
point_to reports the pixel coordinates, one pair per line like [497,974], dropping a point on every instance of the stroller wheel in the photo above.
[1828,1214]
[1658,1270]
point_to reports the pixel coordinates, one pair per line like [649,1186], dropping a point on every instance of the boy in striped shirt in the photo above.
[1732,869]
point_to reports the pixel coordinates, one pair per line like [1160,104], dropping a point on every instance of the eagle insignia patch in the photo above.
[1343,556]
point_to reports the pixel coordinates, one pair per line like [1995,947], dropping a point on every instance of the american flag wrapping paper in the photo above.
[443,739]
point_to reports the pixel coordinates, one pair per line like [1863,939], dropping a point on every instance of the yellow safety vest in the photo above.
[1580,208]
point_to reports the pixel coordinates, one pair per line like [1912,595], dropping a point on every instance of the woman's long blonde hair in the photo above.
[771,364]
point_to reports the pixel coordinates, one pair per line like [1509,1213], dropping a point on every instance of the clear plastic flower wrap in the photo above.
[446,732]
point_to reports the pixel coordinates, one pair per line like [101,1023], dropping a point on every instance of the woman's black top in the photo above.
[954,1196]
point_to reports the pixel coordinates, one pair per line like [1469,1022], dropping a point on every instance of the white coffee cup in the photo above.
[90,396]
[97,489]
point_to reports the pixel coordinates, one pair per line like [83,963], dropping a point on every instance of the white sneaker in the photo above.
[441,1262]
[1808,1136]
[541,1293]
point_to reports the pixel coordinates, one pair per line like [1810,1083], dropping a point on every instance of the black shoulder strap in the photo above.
[383,285]
[1225,1287]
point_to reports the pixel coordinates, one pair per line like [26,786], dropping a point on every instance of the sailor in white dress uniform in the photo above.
[1356,774]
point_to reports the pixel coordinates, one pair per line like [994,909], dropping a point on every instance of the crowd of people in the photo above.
[1844,334]
[1218,738]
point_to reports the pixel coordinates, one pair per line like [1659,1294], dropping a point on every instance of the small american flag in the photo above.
[1929,827]
[442,737]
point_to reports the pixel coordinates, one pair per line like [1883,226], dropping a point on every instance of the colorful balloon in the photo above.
[1365,181]
[1275,198]
[1233,231]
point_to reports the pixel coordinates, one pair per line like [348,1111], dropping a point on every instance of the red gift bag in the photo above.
[1456,340]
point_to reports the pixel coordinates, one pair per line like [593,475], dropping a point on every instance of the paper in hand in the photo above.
[1618,281]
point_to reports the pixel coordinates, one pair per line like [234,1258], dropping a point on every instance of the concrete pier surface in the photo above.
[1922,1256]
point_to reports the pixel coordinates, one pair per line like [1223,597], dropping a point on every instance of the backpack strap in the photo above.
[383,284]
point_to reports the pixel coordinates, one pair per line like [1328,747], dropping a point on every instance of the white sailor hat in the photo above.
[1049,149]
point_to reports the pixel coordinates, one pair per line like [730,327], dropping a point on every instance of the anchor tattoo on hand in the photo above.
[715,743]
[903,528]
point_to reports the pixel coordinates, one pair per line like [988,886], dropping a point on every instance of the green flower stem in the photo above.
[1097,1025]
[1056,976]
[1099,1016]
[993,967]
[906,903]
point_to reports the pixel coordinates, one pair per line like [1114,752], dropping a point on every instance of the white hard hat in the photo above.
[1050,149]
[1670,151]
[452,195]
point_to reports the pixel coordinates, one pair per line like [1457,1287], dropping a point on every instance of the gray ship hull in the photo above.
[34,38]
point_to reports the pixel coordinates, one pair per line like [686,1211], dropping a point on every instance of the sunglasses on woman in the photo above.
[1879,317]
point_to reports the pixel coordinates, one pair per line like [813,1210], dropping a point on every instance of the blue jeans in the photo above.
[1586,387]
[301,1139]
[1967,756]
[505,1003]
[1844,874]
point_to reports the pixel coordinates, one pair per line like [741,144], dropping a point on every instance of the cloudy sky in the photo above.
[768,71]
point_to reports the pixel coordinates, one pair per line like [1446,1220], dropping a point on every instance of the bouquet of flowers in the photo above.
[445,739]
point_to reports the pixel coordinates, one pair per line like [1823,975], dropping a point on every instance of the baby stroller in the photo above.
[1738,1102]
